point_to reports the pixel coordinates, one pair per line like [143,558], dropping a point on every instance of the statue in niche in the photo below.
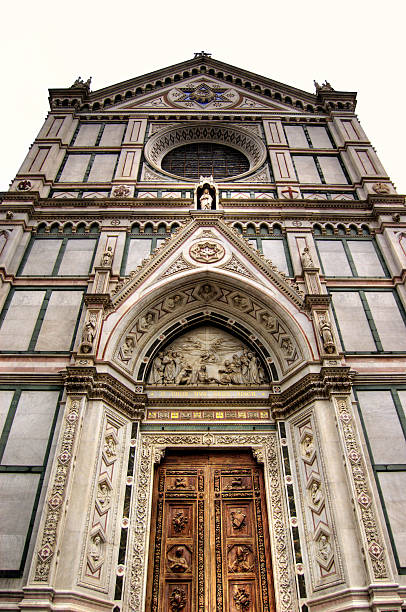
[207,356]
[110,447]
[96,548]
[205,194]
[326,334]
[107,257]
[315,493]
[324,547]
[88,334]
[178,563]
[127,349]
[307,446]
[307,261]
[103,495]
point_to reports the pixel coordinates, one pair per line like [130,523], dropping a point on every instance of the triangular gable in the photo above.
[206,241]
[202,94]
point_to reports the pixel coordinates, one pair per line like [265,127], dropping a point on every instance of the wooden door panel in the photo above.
[209,544]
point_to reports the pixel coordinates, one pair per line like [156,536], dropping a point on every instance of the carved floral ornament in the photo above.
[207,252]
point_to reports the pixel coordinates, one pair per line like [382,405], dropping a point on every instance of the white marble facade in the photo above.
[133,322]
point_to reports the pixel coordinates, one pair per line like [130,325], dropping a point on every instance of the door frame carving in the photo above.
[151,449]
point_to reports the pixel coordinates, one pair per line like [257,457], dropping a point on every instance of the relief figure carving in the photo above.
[207,356]
[242,560]
[316,493]
[324,547]
[178,563]
[326,334]
[96,548]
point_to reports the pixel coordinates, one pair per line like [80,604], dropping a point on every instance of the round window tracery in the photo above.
[186,150]
[205,159]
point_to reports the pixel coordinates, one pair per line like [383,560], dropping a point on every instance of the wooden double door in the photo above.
[210,547]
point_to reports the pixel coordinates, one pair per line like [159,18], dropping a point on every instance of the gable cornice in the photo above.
[199,220]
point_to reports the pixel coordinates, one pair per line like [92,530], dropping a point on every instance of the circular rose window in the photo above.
[205,149]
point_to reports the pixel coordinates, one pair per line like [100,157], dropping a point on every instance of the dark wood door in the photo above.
[209,540]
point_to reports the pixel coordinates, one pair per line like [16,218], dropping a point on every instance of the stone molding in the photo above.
[311,387]
[151,450]
[102,386]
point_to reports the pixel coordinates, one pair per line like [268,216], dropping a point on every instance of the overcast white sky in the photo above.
[357,45]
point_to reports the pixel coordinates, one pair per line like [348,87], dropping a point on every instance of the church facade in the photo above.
[202,349]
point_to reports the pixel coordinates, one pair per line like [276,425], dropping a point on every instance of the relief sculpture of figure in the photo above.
[107,257]
[178,563]
[206,358]
[95,551]
[241,562]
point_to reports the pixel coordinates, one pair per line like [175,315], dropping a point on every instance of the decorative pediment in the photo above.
[198,84]
[191,249]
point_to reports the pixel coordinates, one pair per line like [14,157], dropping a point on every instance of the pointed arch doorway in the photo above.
[209,545]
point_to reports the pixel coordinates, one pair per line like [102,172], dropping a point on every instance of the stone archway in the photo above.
[151,449]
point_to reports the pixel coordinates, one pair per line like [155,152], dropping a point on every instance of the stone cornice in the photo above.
[317,300]
[98,299]
[311,387]
[102,386]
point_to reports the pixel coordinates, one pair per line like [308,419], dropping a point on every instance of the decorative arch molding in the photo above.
[265,449]
[246,142]
[261,321]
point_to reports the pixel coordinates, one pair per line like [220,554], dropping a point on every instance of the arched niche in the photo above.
[257,321]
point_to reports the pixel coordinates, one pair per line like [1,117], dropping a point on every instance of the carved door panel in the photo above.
[209,544]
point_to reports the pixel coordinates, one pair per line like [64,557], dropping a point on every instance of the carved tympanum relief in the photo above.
[207,356]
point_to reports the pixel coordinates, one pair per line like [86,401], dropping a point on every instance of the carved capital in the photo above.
[311,387]
[321,300]
[101,300]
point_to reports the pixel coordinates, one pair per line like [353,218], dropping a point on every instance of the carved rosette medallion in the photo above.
[207,252]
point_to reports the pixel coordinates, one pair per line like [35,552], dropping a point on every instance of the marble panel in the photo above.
[20,320]
[77,257]
[393,485]
[5,401]
[103,168]
[352,321]
[275,251]
[296,137]
[30,429]
[332,171]
[75,168]
[59,321]
[319,137]
[402,397]
[112,135]
[87,135]
[365,258]
[383,427]
[42,257]
[138,249]
[17,494]
[333,258]
[306,169]
[388,320]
